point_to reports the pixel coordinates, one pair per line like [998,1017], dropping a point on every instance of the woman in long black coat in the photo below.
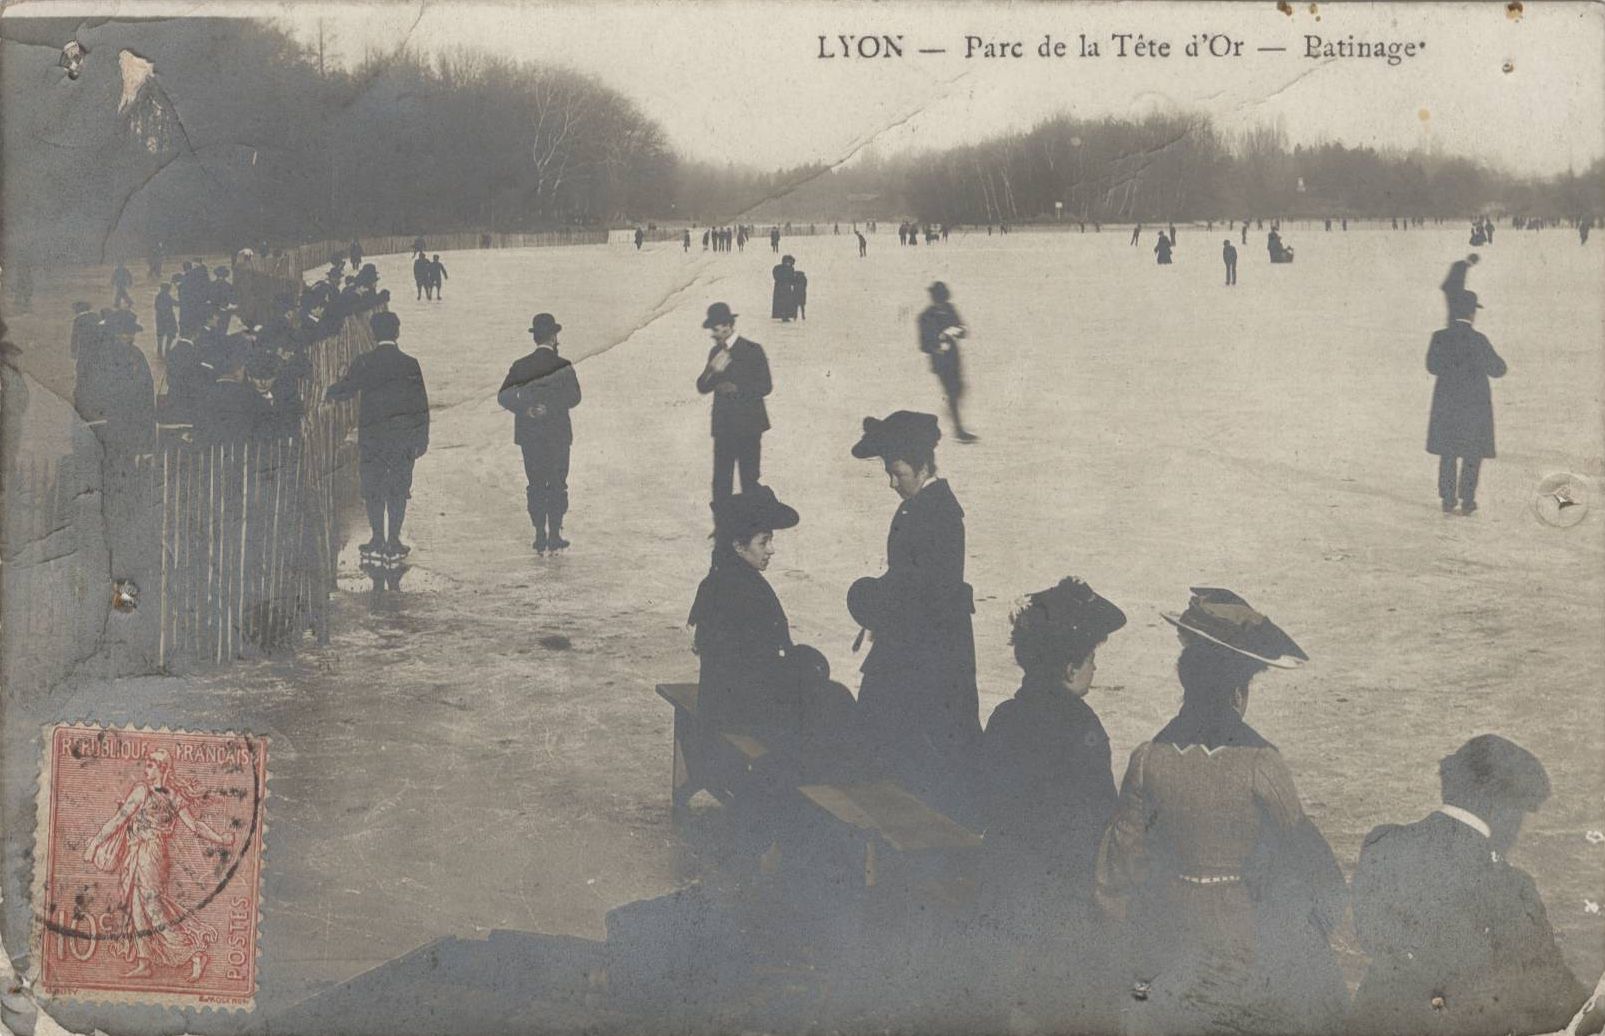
[918,700]
[1462,423]
[783,304]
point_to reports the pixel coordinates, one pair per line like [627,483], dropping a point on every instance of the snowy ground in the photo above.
[442,770]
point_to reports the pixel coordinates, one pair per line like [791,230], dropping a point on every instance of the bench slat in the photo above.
[884,807]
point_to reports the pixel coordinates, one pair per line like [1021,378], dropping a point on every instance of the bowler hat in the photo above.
[122,322]
[939,291]
[1226,619]
[1070,618]
[750,512]
[1463,303]
[544,325]
[1496,767]
[719,313]
[902,431]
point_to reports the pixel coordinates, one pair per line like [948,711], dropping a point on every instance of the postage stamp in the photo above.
[148,869]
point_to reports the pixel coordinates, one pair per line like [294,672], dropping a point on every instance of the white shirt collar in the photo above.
[1465,816]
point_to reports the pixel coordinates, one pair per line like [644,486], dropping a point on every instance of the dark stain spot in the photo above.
[555,642]
[1509,67]
[1285,7]
[1513,10]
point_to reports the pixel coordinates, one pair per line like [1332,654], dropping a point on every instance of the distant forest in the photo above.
[214,133]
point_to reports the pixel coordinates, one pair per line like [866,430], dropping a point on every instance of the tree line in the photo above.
[209,134]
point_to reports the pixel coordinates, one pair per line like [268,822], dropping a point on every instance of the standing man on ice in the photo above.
[540,390]
[737,373]
[392,429]
[1461,429]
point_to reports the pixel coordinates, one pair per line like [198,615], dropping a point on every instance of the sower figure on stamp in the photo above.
[940,330]
[392,429]
[1461,428]
[134,845]
[918,700]
[540,390]
[737,373]
[1459,939]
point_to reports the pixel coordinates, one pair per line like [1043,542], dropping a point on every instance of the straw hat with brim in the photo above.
[903,431]
[1226,619]
[756,510]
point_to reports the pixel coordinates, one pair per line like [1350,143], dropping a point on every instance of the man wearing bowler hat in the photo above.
[540,390]
[1461,428]
[737,374]
[392,429]
[1458,938]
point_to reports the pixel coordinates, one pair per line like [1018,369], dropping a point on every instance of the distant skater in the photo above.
[1136,232]
[1245,231]
[799,293]
[1162,249]
[940,330]
[437,276]
[121,282]
[640,236]
[420,275]
[1229,255]
[774,239]
[685,241]
[863,243]
[1461,429]
[783,302]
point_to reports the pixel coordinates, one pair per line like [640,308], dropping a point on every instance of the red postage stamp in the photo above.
[148,865]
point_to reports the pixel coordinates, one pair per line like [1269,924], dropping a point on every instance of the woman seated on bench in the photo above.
[1049,793]
[753,679]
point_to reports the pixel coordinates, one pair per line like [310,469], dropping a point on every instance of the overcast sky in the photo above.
[741,80]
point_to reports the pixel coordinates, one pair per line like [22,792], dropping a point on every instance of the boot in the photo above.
[376,521]
[536,501]
[554,519]
[398,514]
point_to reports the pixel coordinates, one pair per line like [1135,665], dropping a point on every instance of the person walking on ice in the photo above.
[1229,255]
[1461,428]
[737,375]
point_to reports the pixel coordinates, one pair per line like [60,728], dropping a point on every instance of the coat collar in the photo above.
[1466,817]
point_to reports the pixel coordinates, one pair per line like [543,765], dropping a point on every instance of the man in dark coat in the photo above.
[85,329]
[121,282]
[1229,255]
[166,319]
[437,277]
[737,374]
[940,330]
[392,428]
[420,275]
[228,408]
[223,297]
[1461,428]
[1458,938]
[918,699]
[540,390]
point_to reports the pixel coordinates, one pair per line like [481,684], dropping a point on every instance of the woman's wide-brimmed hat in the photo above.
[1226,619]
[719,313]
[543,324]
[756,510]
[1071,614]
[903,431]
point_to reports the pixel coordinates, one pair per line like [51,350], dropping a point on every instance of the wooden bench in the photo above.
[703,757]
[883,815]
[889,817]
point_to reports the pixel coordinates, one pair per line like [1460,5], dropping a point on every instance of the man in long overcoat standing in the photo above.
[1461,428]
[737,373]
[540,390]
